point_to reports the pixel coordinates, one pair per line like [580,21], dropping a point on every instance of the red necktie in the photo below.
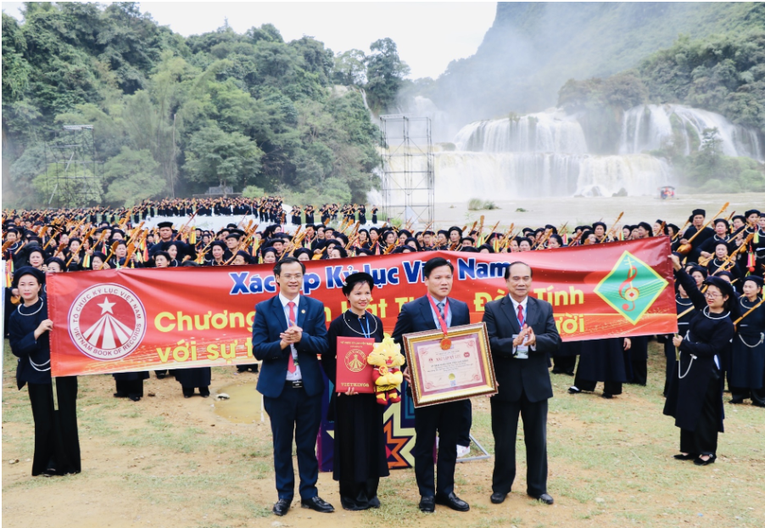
[291,363]
[520,315]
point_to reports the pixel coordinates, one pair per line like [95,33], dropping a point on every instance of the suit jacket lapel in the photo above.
[509,313]
[279,312]
[427,313]
[531,311]
[302,311]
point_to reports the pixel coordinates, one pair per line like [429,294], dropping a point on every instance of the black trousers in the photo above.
[639,372]
[609,387]
[758,395]
[564,365]
[467,422]
[703,441]
[57,444]
[448,420]
[295,413]
[738,394]
[130,387]
[504,426]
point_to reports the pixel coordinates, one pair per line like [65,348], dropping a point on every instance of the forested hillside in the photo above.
[175,115]
[532,49]
[723,74]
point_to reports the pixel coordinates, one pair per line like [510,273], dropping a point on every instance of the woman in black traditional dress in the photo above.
[360,453]
[747,361]
[695,391]
[57,445]
[685,312]
[602,360]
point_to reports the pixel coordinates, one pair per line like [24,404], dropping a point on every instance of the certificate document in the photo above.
[441,374]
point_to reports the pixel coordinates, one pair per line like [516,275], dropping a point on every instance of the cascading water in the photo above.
[543,154]
[546,154]
[543,132]
[652,127]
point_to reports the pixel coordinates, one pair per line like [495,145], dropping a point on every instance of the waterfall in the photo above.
[546,154]
[541,132]
[637,174]
[652,127]
[536,155]
[442,128]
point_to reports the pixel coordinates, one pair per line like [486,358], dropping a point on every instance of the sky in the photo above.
[429,35]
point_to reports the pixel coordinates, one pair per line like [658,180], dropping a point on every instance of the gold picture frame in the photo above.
[464,370]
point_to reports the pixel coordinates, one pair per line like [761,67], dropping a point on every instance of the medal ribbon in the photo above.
[441,320]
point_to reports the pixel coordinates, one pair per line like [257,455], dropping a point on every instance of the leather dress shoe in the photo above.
[281,507]
[689,456]
[452,501]
[317,504]
[428,504]
[544,497]
[701,462]
[574,390]
[498,498]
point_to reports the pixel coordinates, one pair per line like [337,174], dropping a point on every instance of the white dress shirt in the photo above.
[292,376]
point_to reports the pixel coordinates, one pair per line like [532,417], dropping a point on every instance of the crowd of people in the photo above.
[719,265]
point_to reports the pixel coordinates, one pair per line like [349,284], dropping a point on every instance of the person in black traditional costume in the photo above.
[747,361]
[360,451]
[685,312]
[57,444]
[695,392]
[602,360]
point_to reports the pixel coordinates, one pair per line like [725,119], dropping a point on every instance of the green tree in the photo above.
[385,74]
[131,177]
[218,107]
[350,68]
[216,157]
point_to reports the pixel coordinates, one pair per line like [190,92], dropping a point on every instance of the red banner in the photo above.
[143,319]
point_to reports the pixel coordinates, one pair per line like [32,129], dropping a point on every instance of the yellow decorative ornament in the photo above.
[386,357]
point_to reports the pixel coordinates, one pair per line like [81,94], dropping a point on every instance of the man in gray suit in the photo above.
[522,334]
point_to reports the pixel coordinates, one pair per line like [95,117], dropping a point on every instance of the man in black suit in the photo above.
[288,333]
[436,310]
[522,334]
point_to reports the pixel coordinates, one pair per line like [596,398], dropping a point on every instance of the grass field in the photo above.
[170,461]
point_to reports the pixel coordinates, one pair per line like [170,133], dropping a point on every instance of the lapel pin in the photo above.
[302,311]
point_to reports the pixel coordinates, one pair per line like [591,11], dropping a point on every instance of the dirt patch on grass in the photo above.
[171,461]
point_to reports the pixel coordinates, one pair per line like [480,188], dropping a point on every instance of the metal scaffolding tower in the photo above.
[408,179]
[72,159]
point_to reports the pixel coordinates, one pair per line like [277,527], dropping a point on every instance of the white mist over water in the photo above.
[552,132]
[651,127]
[546,153]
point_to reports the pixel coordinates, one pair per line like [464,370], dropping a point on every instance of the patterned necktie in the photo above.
[520,315]
[440,306]
[291,362]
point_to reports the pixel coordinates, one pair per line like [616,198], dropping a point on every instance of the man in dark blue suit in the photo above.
[450,419]
[288,333]
[522,334]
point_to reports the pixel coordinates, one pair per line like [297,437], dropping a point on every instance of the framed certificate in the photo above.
[449,368]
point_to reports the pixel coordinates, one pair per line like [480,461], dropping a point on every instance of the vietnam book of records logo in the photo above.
[631,287]
[355,360]
[107,322]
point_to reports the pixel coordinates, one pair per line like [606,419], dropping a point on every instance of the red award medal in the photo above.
[446,343]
